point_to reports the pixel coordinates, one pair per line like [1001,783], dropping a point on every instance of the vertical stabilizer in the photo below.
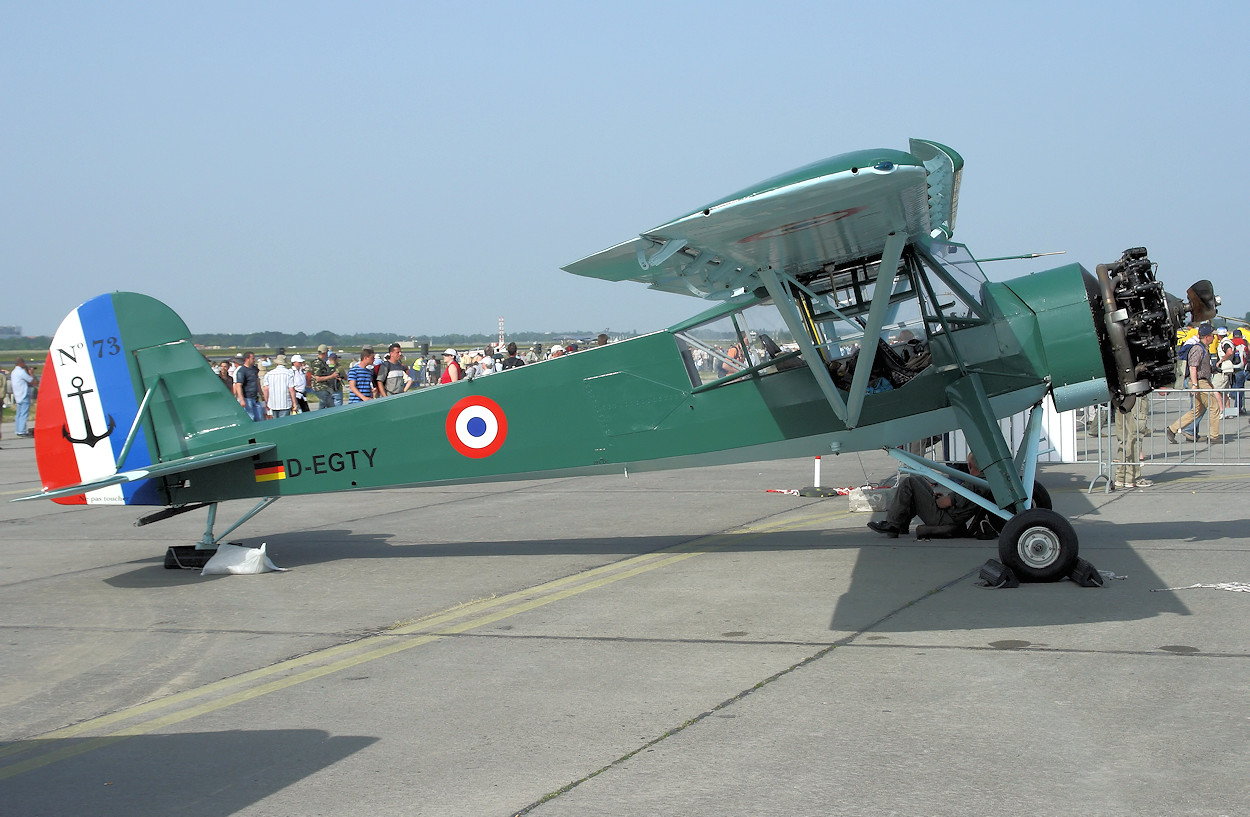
[107,356]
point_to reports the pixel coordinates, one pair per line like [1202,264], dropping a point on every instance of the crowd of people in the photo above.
[278,385]
[1211,362]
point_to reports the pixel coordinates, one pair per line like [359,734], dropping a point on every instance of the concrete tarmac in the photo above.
[678,643]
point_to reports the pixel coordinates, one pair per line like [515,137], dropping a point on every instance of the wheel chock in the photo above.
[187,557]
[996,574]
[1085,574]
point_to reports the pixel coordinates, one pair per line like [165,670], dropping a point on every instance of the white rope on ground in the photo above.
[839,491]
[1235,587]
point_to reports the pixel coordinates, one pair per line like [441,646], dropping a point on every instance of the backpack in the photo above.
[383,371]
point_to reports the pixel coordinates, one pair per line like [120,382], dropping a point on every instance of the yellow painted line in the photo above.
[478,614]
[34,490]
[426,623]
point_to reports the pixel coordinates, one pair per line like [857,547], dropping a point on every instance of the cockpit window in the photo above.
[740,343]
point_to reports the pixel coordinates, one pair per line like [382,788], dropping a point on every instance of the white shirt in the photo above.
[21,380]
[279,383]
[1226,346]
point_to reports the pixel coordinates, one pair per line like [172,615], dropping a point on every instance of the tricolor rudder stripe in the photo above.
[87,405]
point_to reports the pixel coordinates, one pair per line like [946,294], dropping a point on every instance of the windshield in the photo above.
[956,281]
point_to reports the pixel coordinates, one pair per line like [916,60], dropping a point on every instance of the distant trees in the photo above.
[25,343]
[273,340]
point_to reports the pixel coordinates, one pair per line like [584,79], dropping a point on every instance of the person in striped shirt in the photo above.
[360,378]
[279,388]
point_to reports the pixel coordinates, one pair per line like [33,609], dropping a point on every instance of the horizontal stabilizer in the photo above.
[182,465]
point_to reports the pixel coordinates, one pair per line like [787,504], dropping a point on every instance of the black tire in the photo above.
[1041,497]
[171,561]
[1038,545]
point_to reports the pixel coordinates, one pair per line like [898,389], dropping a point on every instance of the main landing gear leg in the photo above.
[196,556]
[1035,542]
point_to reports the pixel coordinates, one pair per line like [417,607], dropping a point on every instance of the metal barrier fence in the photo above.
[1088,435]
[1196,444]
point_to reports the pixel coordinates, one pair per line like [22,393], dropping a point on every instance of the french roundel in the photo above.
[476,426]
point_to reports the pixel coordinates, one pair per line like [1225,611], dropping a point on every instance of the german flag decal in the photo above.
[269,471]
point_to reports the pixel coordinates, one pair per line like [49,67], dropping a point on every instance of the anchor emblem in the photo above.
[91,438]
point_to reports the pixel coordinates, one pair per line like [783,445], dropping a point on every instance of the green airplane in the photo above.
[844,318]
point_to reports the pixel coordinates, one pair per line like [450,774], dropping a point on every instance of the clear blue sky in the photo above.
[426,168]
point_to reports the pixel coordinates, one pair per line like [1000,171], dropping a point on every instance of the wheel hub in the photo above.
[1038,547]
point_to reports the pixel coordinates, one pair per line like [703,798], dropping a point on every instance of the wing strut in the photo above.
[794,322]
[881,293]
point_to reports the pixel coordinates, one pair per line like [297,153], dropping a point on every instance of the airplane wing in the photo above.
[181,465]
[834,211]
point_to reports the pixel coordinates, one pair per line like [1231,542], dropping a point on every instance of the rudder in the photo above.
[106,357]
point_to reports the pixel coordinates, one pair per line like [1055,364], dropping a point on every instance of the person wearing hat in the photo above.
[279,388]
[1198,362]
[1225,369]
[451,367]
[483,363]
[323,377]
[1241,356]
[300,375]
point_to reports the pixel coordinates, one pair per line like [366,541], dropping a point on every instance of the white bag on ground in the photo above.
[239,560]
[870,500]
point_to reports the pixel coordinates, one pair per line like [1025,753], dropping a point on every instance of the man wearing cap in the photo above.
[1225,370]
[324,378]
[279,388]
[1198,363]
[451,367]
[300,375]
[1241,355]
[483,363]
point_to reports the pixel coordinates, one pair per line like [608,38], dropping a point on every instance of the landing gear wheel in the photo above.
[1041,497]
[1038,545]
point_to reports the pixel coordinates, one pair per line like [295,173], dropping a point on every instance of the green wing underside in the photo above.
[832,212]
